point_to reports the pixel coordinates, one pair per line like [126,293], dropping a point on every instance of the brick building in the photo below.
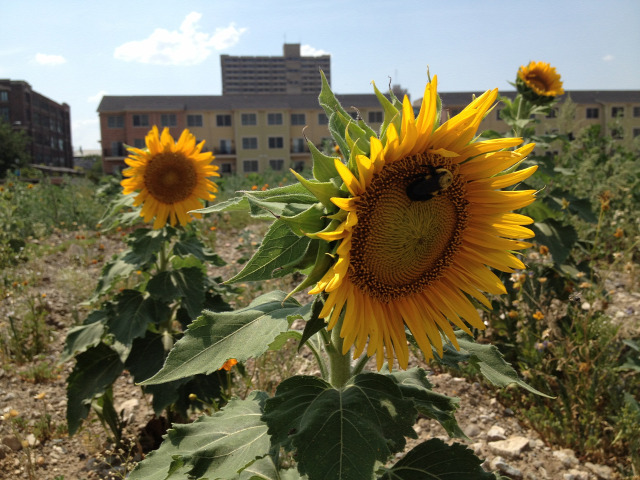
[47,123]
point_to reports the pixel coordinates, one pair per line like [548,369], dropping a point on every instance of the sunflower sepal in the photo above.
[323,262]
[323,169]
[323,191]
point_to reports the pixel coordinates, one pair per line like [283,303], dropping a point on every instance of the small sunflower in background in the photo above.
[424,218]
[171,177]
[539,81]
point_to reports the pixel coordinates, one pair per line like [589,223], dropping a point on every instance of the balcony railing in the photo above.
[224,151]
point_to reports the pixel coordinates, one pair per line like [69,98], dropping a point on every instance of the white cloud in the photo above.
[608,57]
[97,97]
[50,60]
[309,51]
[186,46]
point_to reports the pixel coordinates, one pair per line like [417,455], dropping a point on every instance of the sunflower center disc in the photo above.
[170,177]
[399,246]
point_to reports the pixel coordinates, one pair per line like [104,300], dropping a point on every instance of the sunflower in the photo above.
[424,218]
[172,177]
[541,78]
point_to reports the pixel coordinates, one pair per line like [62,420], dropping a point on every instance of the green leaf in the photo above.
[314,323]
[559,238]
[112,272]
[436,460]
[235,204]
[80,338]
[144,243]
[414,385]
[132,314]
[184,283]
[280,247]
[214,338]
[340,433]
[217,447]
[95,370]
[488,359]
[146,356]
[191,245]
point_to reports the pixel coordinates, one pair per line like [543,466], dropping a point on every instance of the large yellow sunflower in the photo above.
[172,177]
[542,78]
[425,217]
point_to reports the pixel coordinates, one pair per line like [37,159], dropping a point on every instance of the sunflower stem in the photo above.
[339,363]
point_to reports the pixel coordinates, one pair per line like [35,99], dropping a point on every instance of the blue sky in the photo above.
[77,51]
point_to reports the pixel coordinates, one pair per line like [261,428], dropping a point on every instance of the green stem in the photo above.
[339,363]
[316,353]
[359,366]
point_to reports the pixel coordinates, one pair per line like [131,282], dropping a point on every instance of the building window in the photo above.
[276,164]
[4,113]
[375,117]
[636,112]
[249,119]
[139,143]
[276,142]
[617,112]
[593,112]
[115,121]
[250,166]
[249,143]
[225,146]
[141,120]
[298,166]
[323,119]
[194,120]
[225,168]
[617,133]
[553,113]
[636,132]
[498,117]
[4,96]
[168,120]
[223,120]
[117,149]
[274,119]
[298,119]
[298,145]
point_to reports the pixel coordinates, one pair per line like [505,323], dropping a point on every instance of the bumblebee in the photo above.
[427,185]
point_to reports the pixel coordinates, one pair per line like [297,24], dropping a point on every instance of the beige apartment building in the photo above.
[616,111]
[247,133]
[253,133]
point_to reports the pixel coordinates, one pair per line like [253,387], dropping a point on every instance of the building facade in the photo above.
[247,133]
[617,112]
[291,73]
[47,123]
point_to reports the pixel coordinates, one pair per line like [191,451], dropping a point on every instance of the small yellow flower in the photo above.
[40,396]
[513,314]
[565,204]
[44,295]
[193,397]
[13,412]
[254,187]
[619,233]
[264,187]
[605,200]
[538,315]
[213,229]
[544,250]
[585,285]
[30,185]
[542,279]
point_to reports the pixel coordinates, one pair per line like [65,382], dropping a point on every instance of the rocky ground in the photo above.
[494,431]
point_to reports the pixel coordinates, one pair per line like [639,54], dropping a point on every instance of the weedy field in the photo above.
[570,324]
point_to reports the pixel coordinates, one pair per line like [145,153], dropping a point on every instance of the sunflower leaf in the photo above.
[132,313]
[436,460]
[217,446]
[487,358]
[414,385]
[340,433]
[191,245]
[185,283]
[214,338]
[89,334]
[280,247]
[94,372]
[558,237]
